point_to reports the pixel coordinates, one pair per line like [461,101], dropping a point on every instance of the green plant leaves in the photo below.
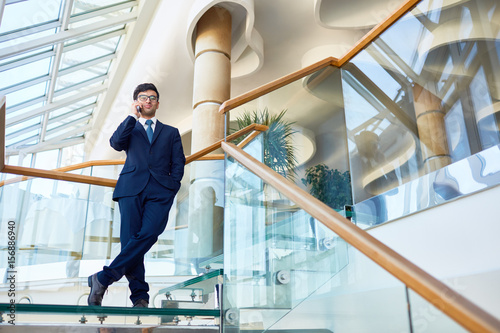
[279,153]
[330,186]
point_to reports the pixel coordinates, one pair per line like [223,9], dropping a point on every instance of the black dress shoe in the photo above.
[96,291]
[141,303]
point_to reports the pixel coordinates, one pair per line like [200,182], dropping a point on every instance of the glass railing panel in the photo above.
[194,235]
[106,171]
[427,317]
[307,139]
[362,297]
[102,227]
[285,270]
[50,218]
[67,231]
[422,96]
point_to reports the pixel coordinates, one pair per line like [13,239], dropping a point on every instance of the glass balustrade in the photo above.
[66,231]
[407,124]
[284,270]
[307,139]
[383,132]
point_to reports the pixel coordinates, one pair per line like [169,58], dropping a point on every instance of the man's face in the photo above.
[149,106]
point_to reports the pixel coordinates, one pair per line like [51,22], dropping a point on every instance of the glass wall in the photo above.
[383,132]
[416,104]
[59,229]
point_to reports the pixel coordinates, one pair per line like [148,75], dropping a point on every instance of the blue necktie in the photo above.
[149,130]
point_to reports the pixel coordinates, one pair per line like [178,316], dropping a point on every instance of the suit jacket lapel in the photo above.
[141,129]
[158,127]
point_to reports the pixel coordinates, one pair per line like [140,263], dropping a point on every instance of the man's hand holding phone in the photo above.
[136,109]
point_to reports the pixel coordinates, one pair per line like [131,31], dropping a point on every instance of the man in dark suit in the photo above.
[145,191]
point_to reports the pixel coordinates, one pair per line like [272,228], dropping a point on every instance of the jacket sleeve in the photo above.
[178,158]
[121,137]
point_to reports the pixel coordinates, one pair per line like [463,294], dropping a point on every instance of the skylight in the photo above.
[55,61]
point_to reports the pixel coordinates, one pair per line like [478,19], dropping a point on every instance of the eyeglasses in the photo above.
[144,98]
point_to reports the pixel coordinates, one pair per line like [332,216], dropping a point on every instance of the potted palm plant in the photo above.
[332,187]
[279,153]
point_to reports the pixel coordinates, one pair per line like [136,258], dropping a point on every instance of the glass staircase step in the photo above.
[204,283]
[290,331]
[49,315]
[216,262]
[104,310]
[92,328]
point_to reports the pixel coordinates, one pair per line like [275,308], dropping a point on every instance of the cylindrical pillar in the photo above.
[212,76]
[212,83]
[431,129]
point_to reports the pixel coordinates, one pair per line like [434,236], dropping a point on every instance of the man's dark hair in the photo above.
[143,87]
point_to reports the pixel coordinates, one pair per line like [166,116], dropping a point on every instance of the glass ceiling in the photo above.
[55,60]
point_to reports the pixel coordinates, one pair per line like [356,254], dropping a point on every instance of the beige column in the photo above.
[212,76]
[212,83]
[431,129]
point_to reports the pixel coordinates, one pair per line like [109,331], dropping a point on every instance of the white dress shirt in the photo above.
[143,122]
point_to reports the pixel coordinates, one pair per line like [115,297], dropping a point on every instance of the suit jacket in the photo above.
[162,159]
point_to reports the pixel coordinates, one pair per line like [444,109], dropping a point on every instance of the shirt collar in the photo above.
[143,121]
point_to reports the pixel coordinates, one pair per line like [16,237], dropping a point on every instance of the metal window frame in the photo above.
[102,11]
[66,35]
[18,33]
[64,39]
[94,92]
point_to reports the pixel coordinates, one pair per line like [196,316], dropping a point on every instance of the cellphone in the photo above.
[139,109]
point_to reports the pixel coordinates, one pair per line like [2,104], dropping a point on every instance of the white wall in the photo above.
[457,242]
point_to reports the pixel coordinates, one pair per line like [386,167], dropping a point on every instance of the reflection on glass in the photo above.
[424,95]
[313,108]
[445,70]
[201,209]
[487,117]
[456,132]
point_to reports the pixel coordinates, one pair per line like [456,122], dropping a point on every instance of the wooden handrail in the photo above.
[276,84]
[457,307]
[248,139]
[64,169]
[89,164]
[376,31]
[216,145]
[60,173]
[330,61]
